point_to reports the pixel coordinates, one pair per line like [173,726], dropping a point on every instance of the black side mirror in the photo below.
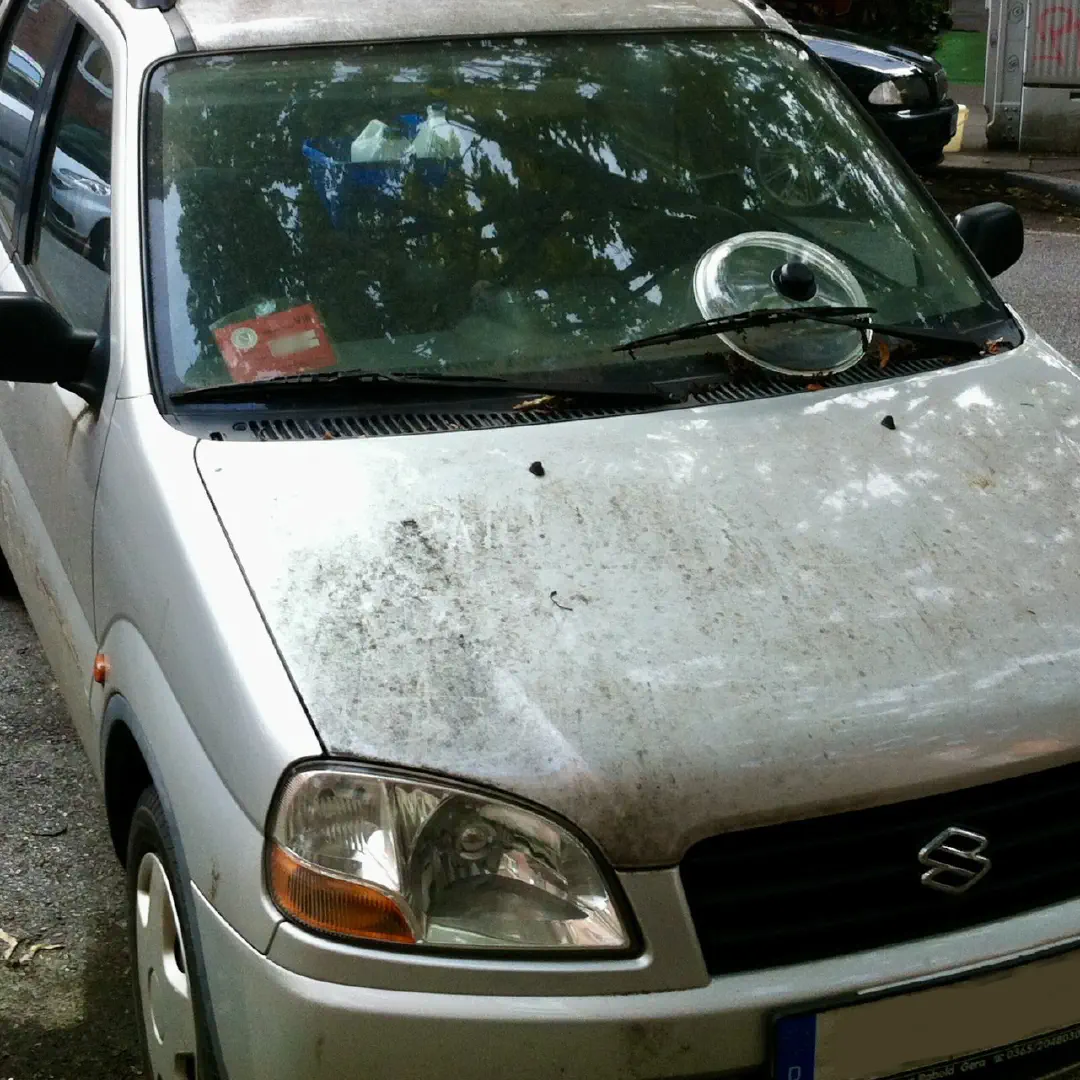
[995,234]
[38,345]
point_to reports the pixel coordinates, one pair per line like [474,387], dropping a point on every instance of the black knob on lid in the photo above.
[796,281]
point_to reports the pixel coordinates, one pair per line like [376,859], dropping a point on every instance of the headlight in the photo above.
[909,90]
[70,178]
[941,84]
[367,855]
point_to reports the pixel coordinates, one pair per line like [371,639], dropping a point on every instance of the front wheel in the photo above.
[167,1004]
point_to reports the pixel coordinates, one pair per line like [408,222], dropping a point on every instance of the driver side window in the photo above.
[31,49]
[73,240]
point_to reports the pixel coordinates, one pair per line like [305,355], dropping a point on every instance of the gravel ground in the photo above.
[64,1013]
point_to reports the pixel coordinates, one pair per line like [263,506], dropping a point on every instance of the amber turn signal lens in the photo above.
[332,905]
[101,669]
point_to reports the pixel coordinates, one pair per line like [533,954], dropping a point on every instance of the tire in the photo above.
[168,1006]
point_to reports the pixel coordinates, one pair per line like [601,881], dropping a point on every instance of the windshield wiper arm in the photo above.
[289,384]
[405,383]
[852,318]
[949,340]
[746,320]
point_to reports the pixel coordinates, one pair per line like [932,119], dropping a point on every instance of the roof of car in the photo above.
[233,24]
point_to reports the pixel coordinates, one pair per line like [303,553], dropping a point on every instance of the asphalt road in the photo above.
[65,1013]
[1043,288]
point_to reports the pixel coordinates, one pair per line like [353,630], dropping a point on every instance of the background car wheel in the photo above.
[99,245]
[175,1041]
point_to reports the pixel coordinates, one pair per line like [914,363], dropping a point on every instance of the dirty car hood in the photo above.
[697,620]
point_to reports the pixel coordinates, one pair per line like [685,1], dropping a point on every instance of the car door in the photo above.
[57,240]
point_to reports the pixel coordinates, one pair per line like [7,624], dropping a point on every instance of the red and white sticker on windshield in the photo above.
[284,343]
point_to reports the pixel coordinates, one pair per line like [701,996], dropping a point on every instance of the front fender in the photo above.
[219,848]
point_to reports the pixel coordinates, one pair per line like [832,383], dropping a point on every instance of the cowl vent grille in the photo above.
[296,427]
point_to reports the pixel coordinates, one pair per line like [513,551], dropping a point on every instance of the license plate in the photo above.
[1019,1023]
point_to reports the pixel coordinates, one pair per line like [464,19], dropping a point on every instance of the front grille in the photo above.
[828,886]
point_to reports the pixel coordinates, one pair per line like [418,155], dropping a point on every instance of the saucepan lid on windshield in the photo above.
[757,270]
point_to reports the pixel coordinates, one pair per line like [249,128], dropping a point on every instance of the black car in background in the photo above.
[905,92]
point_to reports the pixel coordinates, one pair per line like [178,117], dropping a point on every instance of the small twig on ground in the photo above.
[12,944]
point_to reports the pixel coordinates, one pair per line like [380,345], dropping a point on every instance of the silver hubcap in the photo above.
[168,1013]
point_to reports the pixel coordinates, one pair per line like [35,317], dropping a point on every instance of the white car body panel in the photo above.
[9,277]
[697,620]
[54,445]
[215,24]
[180,585]
[330,1030]
[222,846]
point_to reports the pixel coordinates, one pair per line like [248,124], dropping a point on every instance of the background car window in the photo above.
[29,52]
[72,260]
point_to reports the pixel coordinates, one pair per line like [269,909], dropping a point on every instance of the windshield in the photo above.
[513,207]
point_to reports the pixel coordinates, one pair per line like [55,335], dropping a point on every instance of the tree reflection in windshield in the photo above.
[507,206]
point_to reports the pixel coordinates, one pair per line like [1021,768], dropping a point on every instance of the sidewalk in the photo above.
[1050,175]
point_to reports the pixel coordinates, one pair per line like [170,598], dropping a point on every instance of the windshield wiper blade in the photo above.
[745,320]
[405,383]
[850,318]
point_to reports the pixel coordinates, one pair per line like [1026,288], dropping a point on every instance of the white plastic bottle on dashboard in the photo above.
[375,143]
[436,137]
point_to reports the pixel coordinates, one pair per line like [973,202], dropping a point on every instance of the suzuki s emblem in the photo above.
[956,861]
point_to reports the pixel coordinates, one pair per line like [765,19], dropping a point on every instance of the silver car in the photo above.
[560,559]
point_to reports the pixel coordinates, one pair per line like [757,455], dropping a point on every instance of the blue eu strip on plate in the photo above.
[796,1047]
[1041,1057]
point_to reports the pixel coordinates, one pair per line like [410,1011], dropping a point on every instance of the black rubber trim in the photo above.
[7,240]
[152,262]
[181,32]
[59,80]
[7,234]
[26,194]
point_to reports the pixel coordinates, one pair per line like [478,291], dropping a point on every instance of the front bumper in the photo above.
[920,134]
[273,1023]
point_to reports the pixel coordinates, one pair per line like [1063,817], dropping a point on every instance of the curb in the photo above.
[1066,190]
